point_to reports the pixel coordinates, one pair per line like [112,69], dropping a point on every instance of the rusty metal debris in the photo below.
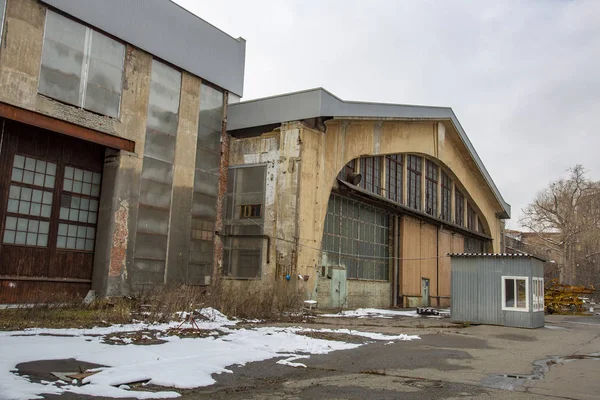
[560,298]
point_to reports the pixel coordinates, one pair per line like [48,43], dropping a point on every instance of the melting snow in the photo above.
[179,363]
[372,313]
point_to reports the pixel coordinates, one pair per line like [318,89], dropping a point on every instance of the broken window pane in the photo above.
[243,255]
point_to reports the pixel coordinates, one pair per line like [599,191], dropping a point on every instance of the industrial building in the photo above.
[362,200]
[128,163]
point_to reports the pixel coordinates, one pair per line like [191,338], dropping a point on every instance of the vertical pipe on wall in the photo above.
[437,265]
[396,279]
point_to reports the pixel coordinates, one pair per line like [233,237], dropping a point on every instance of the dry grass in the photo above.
[246,300]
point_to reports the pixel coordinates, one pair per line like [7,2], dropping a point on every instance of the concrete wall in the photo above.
[300,188]
[344,140]
[20,60]
[279,151]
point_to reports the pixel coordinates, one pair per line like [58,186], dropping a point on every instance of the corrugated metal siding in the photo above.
[464,284]
[477,290]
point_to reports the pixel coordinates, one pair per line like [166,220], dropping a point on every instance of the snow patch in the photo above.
[372,313]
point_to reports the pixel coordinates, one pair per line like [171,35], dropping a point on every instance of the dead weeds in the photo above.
[250,301]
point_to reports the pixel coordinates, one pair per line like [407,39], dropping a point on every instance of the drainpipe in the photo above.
[437,265]
[396,278]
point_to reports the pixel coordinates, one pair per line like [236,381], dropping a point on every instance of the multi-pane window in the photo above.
[29,202]
[76,237]
[243,245]
[480,225]
[394,178]
[459,208]
[538,294]
[23,231]
[414,166]
[206,185]
[78,209]
[81,181]
[356,235]
[471,217]
[150,252]
[81,66]
[370,168]
[32,171]
[515,292]
[348,171]
[431,183]
[446,189]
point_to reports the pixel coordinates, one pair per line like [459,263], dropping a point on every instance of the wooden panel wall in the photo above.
[410,264]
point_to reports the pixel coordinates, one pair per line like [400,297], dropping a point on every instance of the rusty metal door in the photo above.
[49,197]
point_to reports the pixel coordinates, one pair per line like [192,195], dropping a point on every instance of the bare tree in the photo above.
[565,215]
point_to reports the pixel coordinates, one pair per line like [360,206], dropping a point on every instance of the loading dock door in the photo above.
[49,201]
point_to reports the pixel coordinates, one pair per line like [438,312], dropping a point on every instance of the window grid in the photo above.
[78,209]
[431,183]
[370,168]
[394,177]
[75,237]
[471,217]
[82,181]
[31,171]
[27,232]
[78,213]
[414,167]
[357,236]
[459,208]
[446,194]
[27,201]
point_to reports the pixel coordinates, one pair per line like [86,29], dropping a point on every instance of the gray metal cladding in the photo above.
[477,289]
[168,31]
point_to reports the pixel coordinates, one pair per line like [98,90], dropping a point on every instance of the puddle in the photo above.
[540,367]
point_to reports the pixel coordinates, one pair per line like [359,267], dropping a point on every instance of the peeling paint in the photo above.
[120,241]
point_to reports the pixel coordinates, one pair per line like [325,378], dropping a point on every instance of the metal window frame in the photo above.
[226,268]
[2,17]
[527,289]
[394,163]
[459,217]
[431,183]
[415,173]
[365,237]
[539,300]
[446,192]
[85,65]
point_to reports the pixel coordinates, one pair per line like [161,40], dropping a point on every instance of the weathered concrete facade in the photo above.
[306,163]
[20,65]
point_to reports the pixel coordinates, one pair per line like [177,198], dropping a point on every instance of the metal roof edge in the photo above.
[497,255]
[257,112]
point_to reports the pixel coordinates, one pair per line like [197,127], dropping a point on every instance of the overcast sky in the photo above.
[523,77]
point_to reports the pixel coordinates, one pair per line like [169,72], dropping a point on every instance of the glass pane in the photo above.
[509,292]
[521,293]
[61,242]
[19,161]
[105,75]
[9,236]
[11,223]
[62,58]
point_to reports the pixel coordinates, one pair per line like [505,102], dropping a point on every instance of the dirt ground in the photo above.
[560,361]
